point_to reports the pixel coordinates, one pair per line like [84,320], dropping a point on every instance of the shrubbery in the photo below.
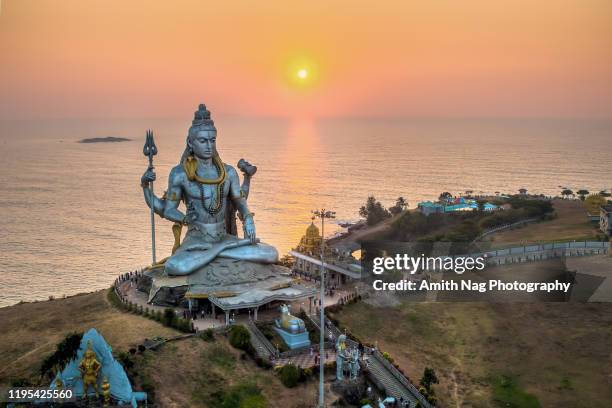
[65,351]
[240,337]
[207,335]
[373,211]
[241,396]
[289,375]
[168,318]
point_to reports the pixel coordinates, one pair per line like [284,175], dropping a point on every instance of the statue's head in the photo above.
[202,137]
[89,353]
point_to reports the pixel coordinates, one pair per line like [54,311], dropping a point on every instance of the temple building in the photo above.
[310,244]
[339,268]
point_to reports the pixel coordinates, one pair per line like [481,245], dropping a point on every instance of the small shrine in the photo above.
[292,329]
[95,373]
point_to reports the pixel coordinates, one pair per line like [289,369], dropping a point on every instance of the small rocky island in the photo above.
[107,139]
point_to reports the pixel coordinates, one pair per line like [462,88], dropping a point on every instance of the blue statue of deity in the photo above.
[354,363]
[211,192]
[342,356]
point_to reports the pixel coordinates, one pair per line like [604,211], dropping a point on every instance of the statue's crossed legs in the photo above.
[194,253]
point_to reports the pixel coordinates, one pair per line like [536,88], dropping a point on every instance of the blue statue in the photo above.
[292,329]
[342,356]
[211,192]
[99,364]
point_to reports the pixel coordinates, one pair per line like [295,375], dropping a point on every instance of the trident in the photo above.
[150,150]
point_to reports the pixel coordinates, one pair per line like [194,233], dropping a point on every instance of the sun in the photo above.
[302,73]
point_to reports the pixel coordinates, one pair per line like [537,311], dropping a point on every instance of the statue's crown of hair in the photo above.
[201,117]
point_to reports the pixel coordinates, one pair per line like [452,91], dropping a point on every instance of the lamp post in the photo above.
[322,214]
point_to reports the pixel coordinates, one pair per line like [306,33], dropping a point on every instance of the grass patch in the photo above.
[566,384]
[507,393]
[219,356]
[570,224]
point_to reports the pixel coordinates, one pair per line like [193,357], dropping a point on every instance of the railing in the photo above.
[401,378]
[504,227]
[379,357]
[296,352]
[552,247]
[262,339]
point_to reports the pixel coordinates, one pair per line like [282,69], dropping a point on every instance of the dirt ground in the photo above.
[188,373]
[571,223]
[184,373]
[31,331]
[559,354]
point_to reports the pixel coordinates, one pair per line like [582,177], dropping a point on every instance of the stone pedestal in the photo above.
[228,284]
[294,340]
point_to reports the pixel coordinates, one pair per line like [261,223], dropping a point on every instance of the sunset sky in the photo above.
[147,58]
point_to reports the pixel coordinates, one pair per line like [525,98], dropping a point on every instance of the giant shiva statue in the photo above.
[211,192]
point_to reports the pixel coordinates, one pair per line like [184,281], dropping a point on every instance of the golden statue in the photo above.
[106,391]
[89,368]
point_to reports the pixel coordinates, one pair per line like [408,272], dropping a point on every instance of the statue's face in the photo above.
[203,143]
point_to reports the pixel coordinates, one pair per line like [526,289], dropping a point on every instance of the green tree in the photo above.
[65,351]
[429,378]
[289,375]
[373,211]
[400,205]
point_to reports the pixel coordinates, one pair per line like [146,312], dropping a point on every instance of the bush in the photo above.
[65,351]
[289,375]
[388,357]
[148,387]
[207,335]
[429,378]
[240,337]
[126,360]
[169,317]
[263,363]
[242,396]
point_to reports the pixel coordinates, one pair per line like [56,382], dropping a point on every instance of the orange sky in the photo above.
[146,58]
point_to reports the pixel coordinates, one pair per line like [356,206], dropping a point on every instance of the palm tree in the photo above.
[582,193]
[402,203]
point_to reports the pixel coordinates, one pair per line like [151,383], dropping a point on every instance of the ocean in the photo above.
[72,215]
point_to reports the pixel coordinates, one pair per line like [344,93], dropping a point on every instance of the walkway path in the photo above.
[382,372]
[392,386]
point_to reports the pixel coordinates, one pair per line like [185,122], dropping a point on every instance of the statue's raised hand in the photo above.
[147,177]
[249,229]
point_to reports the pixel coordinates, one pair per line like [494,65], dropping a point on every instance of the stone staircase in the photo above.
[262,346]
[382,373]
[384,379]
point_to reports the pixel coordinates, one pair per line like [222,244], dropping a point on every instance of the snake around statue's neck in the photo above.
[190,165]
